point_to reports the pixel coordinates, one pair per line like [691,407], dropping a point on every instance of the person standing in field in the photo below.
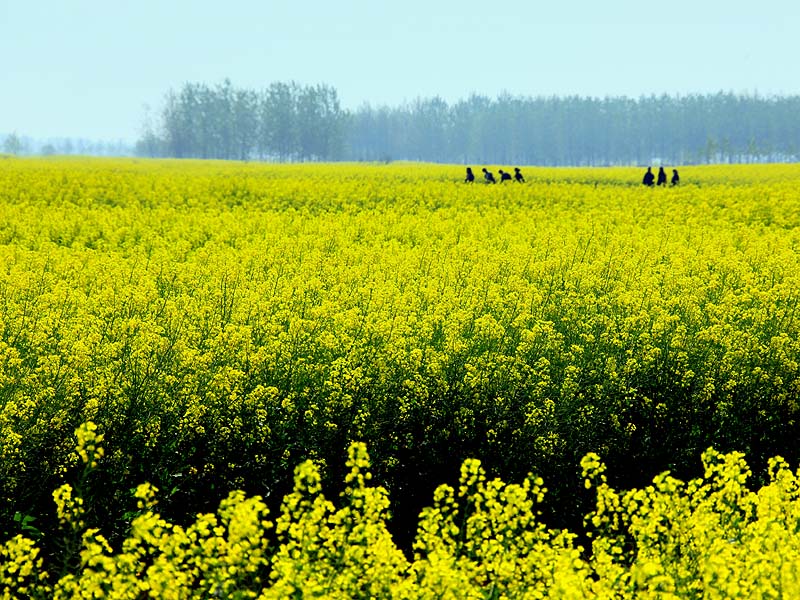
[518,175]
[488,176]
[649,178]
[470,176]
[662,176]
[675,177]
[504,176]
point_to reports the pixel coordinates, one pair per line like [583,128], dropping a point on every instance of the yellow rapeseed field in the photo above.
[203,366]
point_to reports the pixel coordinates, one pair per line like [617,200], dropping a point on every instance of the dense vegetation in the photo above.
[287,121]
[221,323]
[712,537]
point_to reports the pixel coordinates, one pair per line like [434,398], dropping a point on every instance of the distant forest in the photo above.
[293,122]
[15,144]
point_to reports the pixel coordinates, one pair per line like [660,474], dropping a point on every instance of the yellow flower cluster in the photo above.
[711,537]
[88,448]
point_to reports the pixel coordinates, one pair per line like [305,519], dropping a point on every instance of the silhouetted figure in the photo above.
[518,175]
[470,176]
[649,178]
[487,175]
[662,176]
[675,177]
[504,176]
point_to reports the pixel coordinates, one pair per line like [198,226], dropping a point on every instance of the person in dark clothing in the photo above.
[504,176]
[488,176]
[675,177]
[518,175]
[662,176]
[470,176]
[649,178]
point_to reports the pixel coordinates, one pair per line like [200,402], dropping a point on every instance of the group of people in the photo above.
[488,176]
[650,179]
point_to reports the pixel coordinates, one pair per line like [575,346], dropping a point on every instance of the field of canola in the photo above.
[220,379]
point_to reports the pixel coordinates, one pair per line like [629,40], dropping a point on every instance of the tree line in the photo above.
[20,145]
[293,122]
[285,122]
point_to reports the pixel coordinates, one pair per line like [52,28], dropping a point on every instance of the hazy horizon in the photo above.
[86,69]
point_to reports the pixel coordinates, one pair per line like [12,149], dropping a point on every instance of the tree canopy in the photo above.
[293,122]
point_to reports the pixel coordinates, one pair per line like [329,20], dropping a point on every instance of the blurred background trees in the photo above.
[293,122]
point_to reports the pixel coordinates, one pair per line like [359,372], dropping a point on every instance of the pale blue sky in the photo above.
[86,68]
